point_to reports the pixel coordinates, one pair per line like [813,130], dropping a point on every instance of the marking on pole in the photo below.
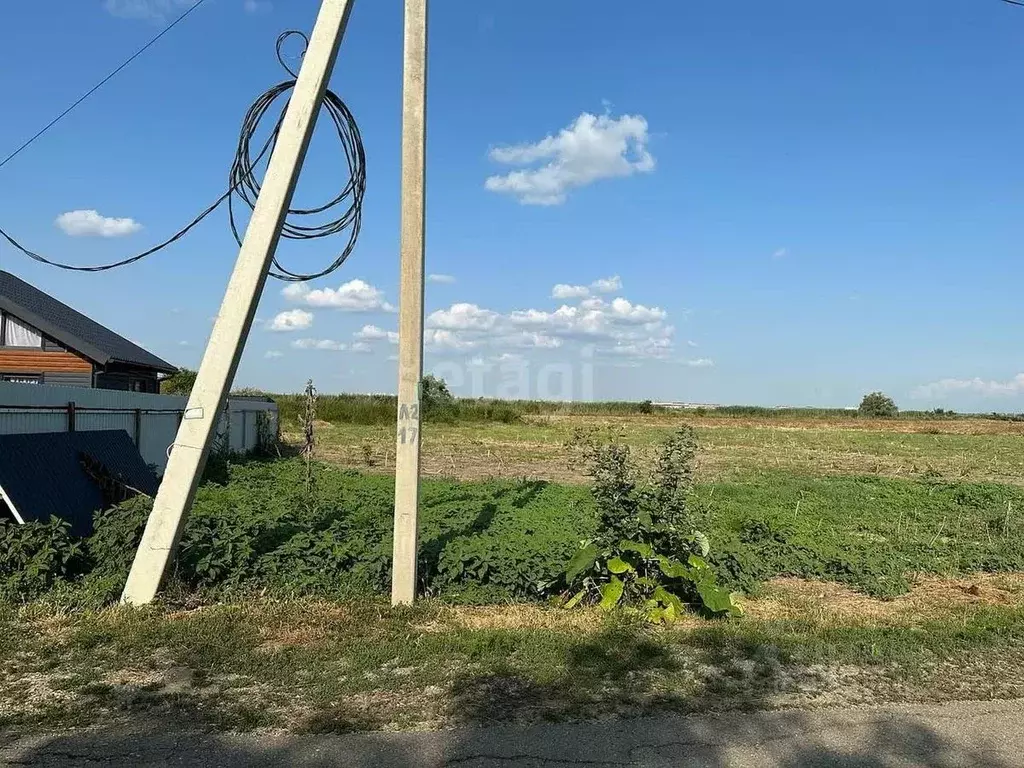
[408,423]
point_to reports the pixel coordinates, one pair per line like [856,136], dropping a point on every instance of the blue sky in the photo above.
[775,203]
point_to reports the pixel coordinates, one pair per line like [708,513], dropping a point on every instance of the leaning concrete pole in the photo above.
[410,320]
[220,361]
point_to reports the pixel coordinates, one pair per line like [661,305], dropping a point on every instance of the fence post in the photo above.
[138,427]
[71,416]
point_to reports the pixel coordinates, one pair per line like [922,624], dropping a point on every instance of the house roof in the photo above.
[71,328]
[42,475]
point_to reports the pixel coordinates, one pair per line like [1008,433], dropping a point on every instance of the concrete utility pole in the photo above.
[410,321]
[220,361]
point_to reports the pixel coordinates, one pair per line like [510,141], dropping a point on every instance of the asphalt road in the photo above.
[988,734]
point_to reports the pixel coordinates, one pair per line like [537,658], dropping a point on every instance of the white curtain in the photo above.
[18,334]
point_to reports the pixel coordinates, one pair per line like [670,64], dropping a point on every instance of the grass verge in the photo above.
[314,666]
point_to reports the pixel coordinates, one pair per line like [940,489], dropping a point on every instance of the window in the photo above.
[14,333]
[21,378]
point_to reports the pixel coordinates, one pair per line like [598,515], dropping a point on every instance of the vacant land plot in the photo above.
[880,561]
[956,449]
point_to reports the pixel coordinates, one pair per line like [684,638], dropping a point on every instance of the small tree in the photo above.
[437,401]
[648,551]
[180,383]
[878,405]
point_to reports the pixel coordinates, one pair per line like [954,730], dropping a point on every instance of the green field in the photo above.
[963,449]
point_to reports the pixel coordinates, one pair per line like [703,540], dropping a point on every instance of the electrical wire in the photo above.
[244,186]
[102,82]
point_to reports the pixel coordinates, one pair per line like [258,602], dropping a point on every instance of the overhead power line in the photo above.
[245,186]
[102,82]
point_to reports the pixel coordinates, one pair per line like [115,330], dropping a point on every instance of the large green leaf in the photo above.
[655,613]
[672,603]
[582,561]
[719,599]
[575,599]
[644,550]
[611,593]
[617,565]
[696,561]
[673,568]
[702,542]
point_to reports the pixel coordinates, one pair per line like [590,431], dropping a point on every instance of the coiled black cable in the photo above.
[245,186]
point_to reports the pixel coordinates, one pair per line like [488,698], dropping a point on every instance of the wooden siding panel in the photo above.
[39,361]
[77,379]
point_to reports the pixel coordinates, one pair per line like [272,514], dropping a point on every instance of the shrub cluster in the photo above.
[499,540]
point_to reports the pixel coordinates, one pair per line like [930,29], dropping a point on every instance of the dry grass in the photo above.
[930,598]
[960,449]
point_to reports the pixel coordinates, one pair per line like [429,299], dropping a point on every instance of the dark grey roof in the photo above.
[71,328]
[42,474]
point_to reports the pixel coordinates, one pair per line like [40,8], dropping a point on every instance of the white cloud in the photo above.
[607,284]
[692,344]
[563,291]
[598,319]
[271,354]
[329,345]
[184,343]
[701,362]
[463,317]
[593,147]
[442,279]
[152,10]
[528,340]
[91,224]
[449,340]
[617,327]
[624,311]
[508,357]
[654,348]
[292,320]
[160,10]
[353,296]
[373,333]
[780,253]
[977,385]
[325,344]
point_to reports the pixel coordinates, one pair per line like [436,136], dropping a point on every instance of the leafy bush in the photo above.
[507,540]
[878,405]
[648,551]
[437,402]
[180,383]
[766,548]
[35,556]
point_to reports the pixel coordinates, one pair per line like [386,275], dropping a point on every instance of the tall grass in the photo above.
[383,409]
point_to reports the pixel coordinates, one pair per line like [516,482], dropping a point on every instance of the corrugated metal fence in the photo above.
[151,420]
